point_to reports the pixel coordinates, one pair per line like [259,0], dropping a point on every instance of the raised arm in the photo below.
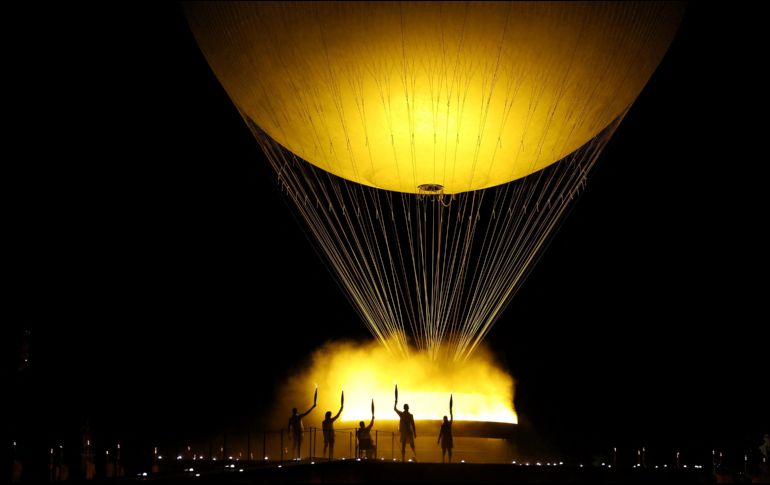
[371,423]
[338,414]
[308,411]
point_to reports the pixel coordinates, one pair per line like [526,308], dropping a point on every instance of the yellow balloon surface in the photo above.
[461,95]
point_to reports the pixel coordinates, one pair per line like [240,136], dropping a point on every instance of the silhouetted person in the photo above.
[328,429]
[445,438]
[364,434]
[296,430]
[407,429]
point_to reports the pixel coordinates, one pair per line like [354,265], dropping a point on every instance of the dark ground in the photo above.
[384,472]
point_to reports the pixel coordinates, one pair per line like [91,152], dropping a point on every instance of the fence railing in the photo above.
[311,445]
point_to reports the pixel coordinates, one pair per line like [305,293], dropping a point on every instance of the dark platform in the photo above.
[351,471]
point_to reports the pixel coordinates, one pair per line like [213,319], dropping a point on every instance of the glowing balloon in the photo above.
[460,96]
[440,99]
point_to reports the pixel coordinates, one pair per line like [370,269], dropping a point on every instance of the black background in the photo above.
[167,287]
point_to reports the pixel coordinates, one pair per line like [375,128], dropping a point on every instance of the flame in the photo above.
[482,390]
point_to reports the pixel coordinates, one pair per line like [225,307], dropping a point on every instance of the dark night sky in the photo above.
[148,244]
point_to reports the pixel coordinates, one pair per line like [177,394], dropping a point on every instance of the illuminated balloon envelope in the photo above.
[384,122]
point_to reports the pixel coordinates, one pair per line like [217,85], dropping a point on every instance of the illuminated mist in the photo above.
[482,390]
